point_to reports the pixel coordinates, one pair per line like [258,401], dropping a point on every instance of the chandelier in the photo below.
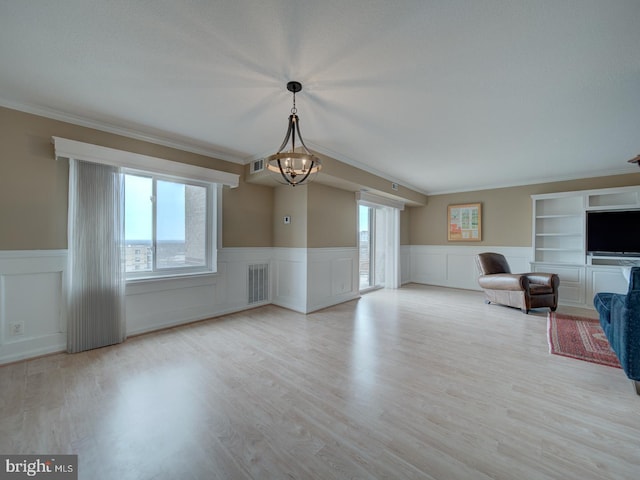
[294,167]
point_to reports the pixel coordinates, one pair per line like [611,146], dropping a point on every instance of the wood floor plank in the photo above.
[418,383]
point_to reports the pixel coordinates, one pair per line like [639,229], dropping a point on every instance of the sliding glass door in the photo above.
[366,228]
[375,231]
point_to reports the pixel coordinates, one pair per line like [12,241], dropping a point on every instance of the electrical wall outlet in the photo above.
[16,328]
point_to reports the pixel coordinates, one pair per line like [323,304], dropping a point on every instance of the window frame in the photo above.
[212,224]
[65,148]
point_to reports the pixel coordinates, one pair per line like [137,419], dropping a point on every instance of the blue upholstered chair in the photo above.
[620,320]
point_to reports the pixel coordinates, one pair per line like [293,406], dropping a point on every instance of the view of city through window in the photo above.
[180,224]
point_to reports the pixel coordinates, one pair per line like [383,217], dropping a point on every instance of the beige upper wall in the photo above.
[332,217]
[291,202]
[506,212]
[247,213]
[34,186]
[347,177]
[321,217]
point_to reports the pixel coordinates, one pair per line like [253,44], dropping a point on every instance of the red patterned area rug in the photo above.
[579,337]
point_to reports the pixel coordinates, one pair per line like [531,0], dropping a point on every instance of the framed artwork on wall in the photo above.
[464,222]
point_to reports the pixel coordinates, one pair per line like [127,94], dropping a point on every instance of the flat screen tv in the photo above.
[613,233]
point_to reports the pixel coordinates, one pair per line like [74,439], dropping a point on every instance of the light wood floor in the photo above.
[421,382]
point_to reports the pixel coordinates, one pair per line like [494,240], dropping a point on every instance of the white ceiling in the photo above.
[439,95]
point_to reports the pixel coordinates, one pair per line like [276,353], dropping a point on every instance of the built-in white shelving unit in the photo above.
[559,238]
[558,228]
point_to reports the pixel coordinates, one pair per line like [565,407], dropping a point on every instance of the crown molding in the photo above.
[117,130]
[541,180]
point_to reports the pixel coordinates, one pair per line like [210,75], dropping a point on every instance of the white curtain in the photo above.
[96,281]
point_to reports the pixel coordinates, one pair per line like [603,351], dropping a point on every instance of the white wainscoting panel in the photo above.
[162,303]
[290,278]
[32,295]
[454,266]
[462,272]
[603,278]
[32,285]
[332,277]
[233,269]
[428,267]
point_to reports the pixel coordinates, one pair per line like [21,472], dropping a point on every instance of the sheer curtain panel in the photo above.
[96,273]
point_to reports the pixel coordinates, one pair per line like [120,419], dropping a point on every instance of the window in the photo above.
[169,227]
[172,221]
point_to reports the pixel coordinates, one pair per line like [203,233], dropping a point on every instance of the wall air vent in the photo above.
[257,166]
[258,276]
